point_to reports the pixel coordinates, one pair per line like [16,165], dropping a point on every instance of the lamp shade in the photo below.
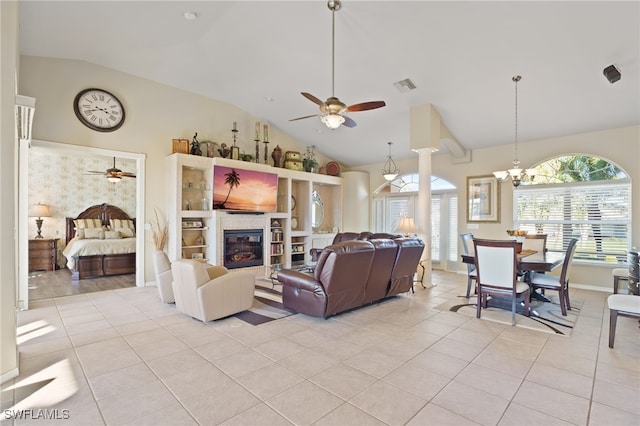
[39,210]
[406,225]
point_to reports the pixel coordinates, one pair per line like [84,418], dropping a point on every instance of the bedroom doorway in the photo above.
[135,163]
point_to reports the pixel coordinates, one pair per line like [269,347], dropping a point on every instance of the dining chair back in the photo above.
[497,266]
[558,283]
[468,249]
[536,242]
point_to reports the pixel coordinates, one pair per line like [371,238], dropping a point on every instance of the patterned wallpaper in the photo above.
[60,181]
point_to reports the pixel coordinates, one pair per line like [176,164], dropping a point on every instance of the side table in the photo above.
[43,254]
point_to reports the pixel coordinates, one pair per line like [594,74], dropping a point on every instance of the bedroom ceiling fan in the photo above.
[112,174]
[332,109]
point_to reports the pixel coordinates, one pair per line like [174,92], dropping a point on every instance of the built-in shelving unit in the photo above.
[288,232]
[277,245]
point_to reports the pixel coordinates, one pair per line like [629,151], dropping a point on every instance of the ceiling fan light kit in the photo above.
[113,174]
[332,110]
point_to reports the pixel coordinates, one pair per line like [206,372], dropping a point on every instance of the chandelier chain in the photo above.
[516,79]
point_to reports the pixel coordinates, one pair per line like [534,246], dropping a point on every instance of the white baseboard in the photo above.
[13,373]
[591,287]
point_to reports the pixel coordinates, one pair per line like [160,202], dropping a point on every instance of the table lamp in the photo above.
[406,226]
[39,210]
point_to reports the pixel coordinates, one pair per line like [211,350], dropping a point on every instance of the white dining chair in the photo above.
[557,283]
[625,305]
[535,242]
[497,267]
[468,249]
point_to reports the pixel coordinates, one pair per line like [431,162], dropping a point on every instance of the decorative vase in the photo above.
[276,155]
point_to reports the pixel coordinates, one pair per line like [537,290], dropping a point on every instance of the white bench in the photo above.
[619,274]
[626,305]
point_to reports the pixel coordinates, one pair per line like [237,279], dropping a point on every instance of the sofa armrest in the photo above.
[226,295]
[298,279]
[315,252]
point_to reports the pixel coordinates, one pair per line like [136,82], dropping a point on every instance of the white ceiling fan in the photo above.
[332,110]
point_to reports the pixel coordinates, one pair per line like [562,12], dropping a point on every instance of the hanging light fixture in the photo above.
[515,173]
[390,171]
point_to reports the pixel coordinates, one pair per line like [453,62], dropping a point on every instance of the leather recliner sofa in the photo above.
[351,274]
[350,236]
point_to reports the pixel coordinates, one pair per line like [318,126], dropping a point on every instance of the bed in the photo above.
[91,255]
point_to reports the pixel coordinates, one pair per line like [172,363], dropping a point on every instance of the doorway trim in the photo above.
[23,207]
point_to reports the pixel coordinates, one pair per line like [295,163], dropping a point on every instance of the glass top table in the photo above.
[306,267]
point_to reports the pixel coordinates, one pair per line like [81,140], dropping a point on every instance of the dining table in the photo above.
[531,261]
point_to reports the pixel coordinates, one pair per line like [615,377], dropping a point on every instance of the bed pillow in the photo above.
[121,223]
[112,235]
[126,232]
[80,234]
[94,233]
[87,223]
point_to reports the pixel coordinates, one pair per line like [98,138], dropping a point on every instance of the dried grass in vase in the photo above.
[159,234]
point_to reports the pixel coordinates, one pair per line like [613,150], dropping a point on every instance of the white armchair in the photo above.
[209,292]
[162,268]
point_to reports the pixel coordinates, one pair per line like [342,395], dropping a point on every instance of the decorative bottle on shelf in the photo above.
[205,204]
[187,205]
[276,155]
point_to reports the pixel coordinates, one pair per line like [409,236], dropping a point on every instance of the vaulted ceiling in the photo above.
[461,56]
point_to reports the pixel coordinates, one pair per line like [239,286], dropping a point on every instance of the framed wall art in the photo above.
[483,199]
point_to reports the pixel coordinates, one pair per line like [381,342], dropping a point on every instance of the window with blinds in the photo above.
[597,213]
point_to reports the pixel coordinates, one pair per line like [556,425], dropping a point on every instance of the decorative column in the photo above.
[424,139]
[423,221]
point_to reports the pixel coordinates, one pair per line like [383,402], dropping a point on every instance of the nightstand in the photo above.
[43,254]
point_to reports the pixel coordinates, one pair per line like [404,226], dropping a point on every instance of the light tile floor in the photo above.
[121,357]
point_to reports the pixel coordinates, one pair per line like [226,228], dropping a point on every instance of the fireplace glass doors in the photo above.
[243,248]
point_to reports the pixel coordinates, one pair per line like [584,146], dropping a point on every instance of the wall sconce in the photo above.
[39,210]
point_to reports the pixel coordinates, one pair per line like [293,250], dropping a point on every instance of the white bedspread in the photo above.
[88,247]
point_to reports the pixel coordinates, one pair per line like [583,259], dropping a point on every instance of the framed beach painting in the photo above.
[483,199]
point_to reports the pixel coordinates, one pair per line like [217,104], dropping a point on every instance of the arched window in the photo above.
[578,196]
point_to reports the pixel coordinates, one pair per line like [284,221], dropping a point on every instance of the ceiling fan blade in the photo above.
[127,174]
[302,118]
[94,172]
[365,106]
[312,98]
[348,122]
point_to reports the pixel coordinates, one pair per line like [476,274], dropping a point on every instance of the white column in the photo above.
[423,221]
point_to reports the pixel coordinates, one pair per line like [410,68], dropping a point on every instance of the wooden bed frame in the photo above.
[102,264]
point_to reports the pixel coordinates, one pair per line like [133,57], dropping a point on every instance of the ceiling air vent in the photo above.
[405,85]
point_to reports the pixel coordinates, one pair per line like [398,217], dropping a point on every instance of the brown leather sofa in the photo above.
[351,274]
[350,236]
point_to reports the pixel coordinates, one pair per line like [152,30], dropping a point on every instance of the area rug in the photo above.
[546,317]
[267,306]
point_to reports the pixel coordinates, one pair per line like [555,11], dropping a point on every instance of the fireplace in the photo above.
[243,248]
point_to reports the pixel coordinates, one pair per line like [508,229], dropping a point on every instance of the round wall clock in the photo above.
[99,110]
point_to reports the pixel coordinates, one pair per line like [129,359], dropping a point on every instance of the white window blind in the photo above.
[435,228]
[598,214]
[453,229]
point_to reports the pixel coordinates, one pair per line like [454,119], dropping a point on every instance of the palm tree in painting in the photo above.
[232,179]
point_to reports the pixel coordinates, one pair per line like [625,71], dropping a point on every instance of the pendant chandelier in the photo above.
[390,171]
[515,173]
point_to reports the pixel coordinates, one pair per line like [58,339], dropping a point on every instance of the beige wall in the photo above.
[155,114]
[8,191]
[620,146]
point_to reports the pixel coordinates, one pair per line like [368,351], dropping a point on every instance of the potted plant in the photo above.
[309,162]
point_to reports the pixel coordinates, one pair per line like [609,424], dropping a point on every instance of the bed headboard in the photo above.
[103,211]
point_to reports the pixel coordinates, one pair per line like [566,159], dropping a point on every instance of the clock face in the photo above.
[99,110]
